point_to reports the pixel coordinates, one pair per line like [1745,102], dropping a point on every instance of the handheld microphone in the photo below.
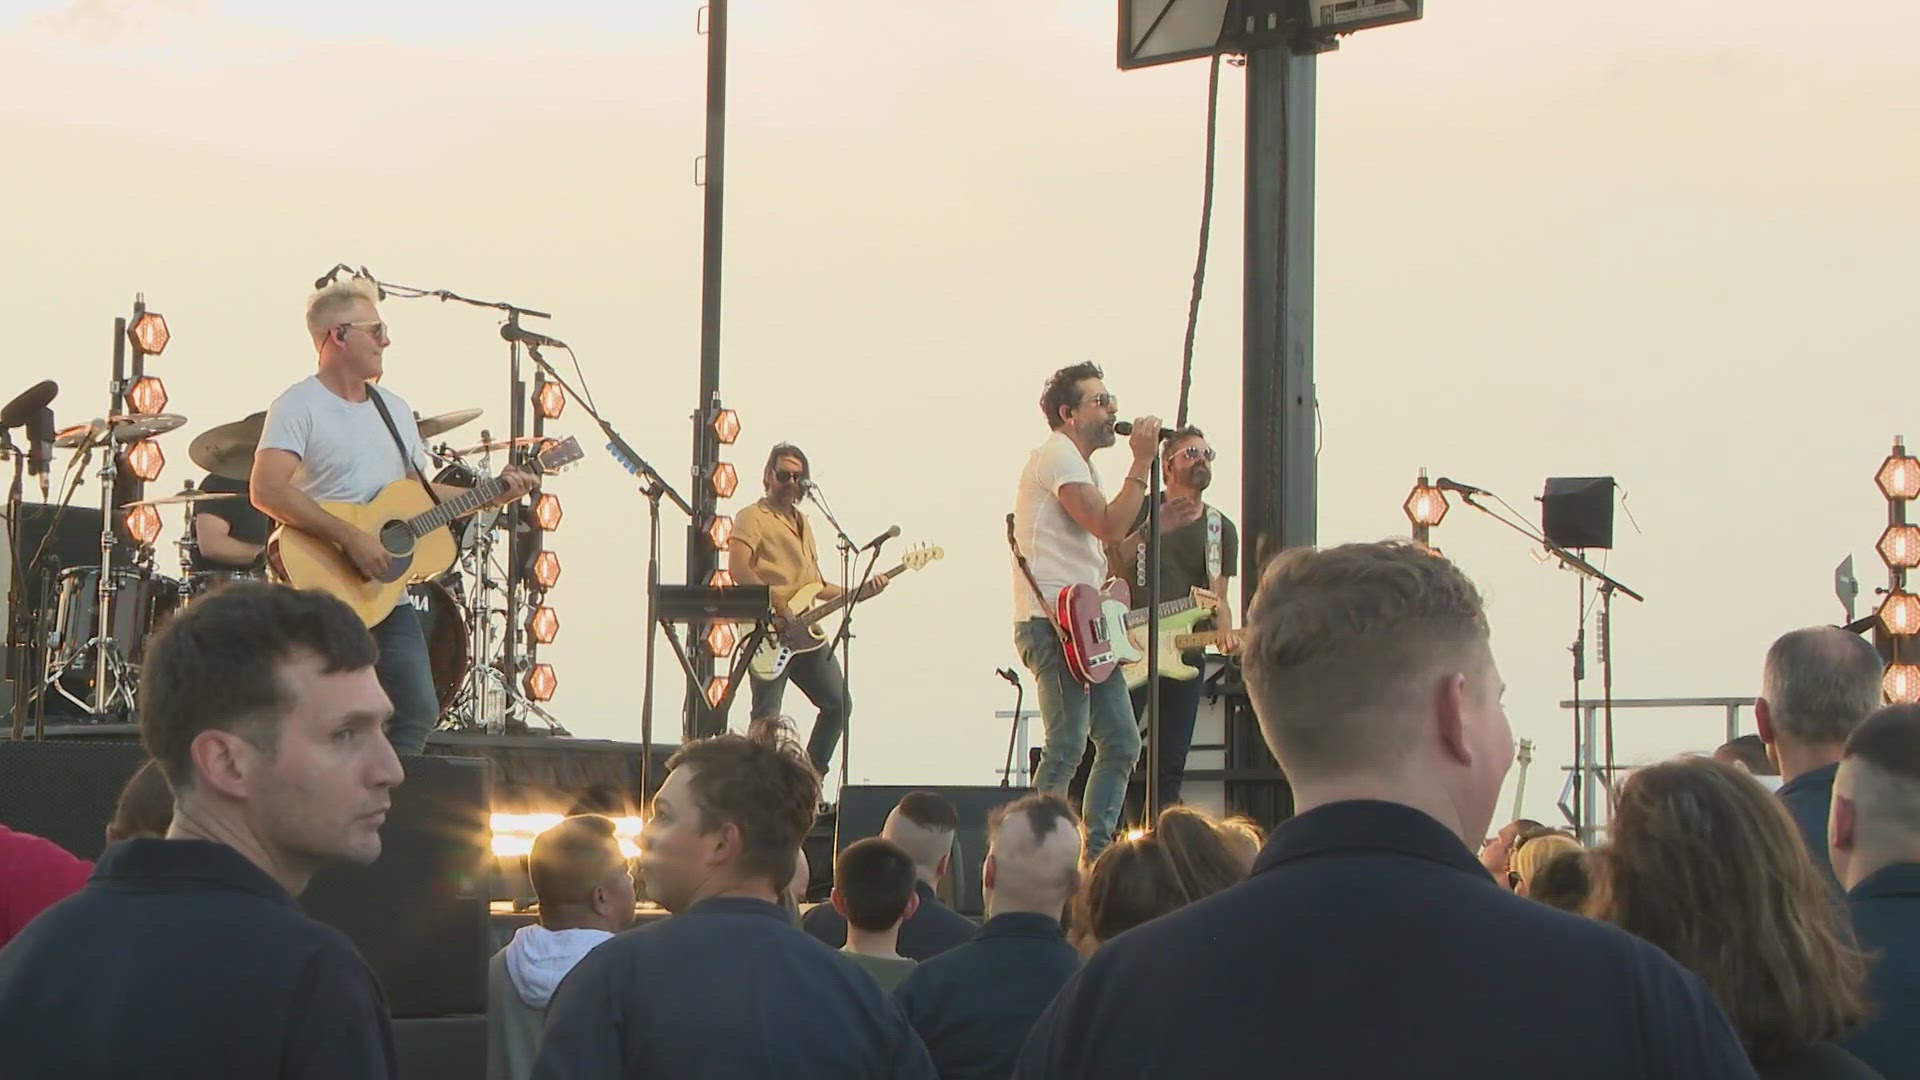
[892,531]
[1445,484]
[1125,427]
[1008,674]
[521,334]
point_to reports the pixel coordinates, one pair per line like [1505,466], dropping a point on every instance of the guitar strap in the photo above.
[406,462]
[1215,535]
[1020,557]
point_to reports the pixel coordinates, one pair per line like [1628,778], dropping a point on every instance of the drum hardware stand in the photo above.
[19,639]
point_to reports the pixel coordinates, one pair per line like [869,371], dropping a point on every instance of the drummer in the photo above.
[228,534]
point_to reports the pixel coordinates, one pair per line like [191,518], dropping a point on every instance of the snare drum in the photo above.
[201,582]
[445,628]
[141,602]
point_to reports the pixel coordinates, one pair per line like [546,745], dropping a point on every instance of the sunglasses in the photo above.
[788,475]
[376,329]
[1197,453]
[1102,401]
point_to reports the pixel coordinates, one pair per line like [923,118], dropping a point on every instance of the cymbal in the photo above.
[504,444]
[445,422]
[124,429]
[227,450]
[182,498]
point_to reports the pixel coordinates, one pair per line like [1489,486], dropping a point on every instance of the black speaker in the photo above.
[64,791]
[864,810]
[1577,511]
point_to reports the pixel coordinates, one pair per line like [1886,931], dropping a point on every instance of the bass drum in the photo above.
[445,628]
[141,601]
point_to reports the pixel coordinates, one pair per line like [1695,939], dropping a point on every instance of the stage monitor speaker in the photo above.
[864,810]
[1577,511]
[418,915]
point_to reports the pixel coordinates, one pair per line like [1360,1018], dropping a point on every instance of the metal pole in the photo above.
[1153,641]
[701,558]
[1589,823]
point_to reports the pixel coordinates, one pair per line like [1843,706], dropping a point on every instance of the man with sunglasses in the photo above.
[1199,548]
[772,545]
[1061,516]
[325,440]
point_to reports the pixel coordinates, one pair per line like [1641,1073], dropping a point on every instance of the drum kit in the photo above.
[88,634]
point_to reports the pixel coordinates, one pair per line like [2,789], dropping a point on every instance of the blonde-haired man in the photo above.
[326,441]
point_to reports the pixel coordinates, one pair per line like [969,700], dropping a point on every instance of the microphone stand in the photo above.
[1153,639]
[654,487]
[843,637]
[19,656]
[1013,734]
[1607,587]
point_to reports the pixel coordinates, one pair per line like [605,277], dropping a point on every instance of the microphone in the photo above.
[1008,674]
[1123,427]
[521,334]
[326,279]
[892,531]
[40,446]
[1445,484]
[32,399]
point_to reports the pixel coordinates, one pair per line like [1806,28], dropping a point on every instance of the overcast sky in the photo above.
[1668,242]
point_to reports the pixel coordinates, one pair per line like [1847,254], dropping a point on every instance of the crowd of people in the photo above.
[1728,926]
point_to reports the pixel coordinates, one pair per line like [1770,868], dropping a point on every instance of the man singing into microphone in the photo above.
[1061,517]
[772,545]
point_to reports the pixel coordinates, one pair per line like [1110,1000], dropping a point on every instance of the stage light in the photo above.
[543,625]
[726,427]
[147,396]
[1134,836]
[514,834]
[1900,613]
[720,579]
[725,480]
[145,461]
[149,333]
[1900,546]
[721,639]
[546,570]
[550,400]
[542,682]
[546,512]
[143,524]
[1899,475]
[720,531]
[1901,684]
[1426,505]
[716,690]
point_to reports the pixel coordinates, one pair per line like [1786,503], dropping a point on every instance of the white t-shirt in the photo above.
[346,453]
[1060,552]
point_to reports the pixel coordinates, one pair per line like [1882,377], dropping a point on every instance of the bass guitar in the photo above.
[410,526]
[1099,627]
[803,634]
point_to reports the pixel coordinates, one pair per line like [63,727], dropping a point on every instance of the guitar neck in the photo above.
[1166,610]
[821,611]
[457,507]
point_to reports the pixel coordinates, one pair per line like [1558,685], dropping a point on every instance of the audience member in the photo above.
[1137,878]
[974,1004]
[1564,881]
[145,807]
[1749,752]
[1876,852]
[1536,853]
[1818,684]
[586,896]
[923,825]
[873,890]
[1705,864]
[1244,838]
[1369,941]
[35,874]
[188,956]
[727,986]
[1496,854]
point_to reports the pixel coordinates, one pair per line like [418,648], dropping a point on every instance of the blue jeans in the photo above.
[1071,713]
[818,677]
[406,675]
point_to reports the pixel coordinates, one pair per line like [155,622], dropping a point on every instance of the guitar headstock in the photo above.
[920,555]
[1206,599]
[1525,754]
[557,454]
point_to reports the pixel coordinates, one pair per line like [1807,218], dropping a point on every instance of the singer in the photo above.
[1061,517]
[773,545]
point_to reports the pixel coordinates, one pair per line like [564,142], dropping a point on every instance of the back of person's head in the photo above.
[1244,838]
[1034,849]
[580,875]
[1818,684]
[1536,853]
[923,824]
[1564,881]
[1706,864]
[1181,859]
[1876,795]
[1747,752]
[145,807]
[733,810]
[873,884]
[1371,661]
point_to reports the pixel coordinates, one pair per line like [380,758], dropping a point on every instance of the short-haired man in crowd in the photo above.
[728,986]
[873,884]
[1819,683]
[974,1005]
[1875,837]
[586,896]
[189,956]
[923,824]
[1369,942]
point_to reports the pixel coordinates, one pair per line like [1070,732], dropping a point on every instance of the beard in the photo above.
[1104,435]
[1199,477]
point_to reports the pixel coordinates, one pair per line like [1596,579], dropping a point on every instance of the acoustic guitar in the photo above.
[410,526]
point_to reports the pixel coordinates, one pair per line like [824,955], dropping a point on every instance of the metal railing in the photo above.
[1589,776]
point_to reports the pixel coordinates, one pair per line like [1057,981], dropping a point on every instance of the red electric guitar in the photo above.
[1097,622]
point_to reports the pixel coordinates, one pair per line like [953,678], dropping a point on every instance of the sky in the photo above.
[1667,242]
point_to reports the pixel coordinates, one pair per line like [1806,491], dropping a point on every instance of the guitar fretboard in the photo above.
[1166,610]
[457,507]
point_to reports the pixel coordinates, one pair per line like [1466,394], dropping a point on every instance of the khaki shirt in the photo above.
[778,554]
